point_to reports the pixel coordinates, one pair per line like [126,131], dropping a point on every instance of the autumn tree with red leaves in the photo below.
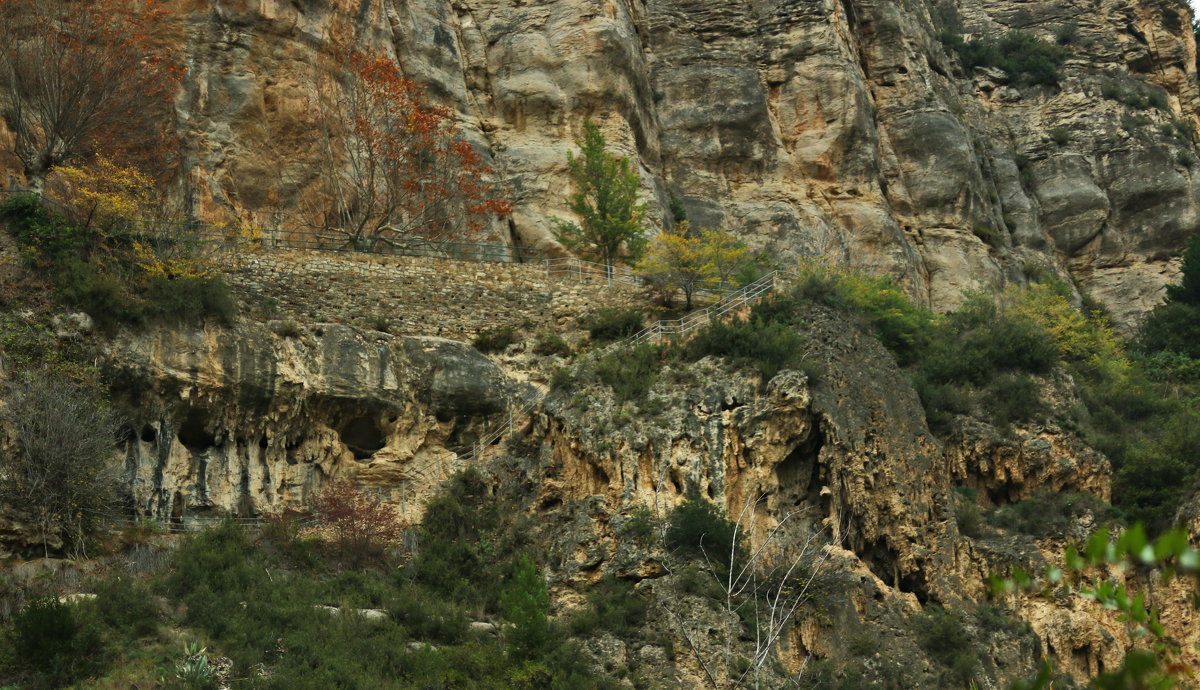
[392,166]
[81,77]
[360,526]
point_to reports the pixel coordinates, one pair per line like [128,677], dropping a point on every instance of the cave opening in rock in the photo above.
[363,437]
[193,434]
[148,434]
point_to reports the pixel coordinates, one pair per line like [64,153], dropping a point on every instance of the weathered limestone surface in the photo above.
[844,456]
[833,127]
[246,422]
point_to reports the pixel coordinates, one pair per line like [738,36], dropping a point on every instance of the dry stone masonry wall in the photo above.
[415,296]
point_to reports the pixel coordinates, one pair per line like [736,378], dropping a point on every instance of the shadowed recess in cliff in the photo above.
[363,437]
[193,433]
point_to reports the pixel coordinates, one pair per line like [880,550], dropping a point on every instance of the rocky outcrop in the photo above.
[840,128]
[842,460]
[245,422]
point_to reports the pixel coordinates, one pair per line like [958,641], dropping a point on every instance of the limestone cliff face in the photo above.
[247,422]
[841,128]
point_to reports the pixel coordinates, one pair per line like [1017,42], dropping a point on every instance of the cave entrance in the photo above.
[363,437]
[193,434]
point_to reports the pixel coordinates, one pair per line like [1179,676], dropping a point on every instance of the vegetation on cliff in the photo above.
[283,610]
[112,268]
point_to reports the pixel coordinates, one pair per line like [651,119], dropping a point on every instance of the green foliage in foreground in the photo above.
[1154,664]
[98,273]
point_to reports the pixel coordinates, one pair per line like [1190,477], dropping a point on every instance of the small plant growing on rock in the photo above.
[286,328]
[551,344]
[496,339]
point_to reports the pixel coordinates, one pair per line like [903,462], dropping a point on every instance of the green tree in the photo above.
[606,202]
[525,603]
[1174,326]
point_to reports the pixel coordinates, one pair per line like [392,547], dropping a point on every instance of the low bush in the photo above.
[551,344]
[1052,514]
[631,372]
[462,556]
[612,606]
[60,643]
[944,637]
[127,606]
[496,339]
[639,526]
[1024,57]
[967,514]
[103,274]
[608,325]
[265,609]
[764,346]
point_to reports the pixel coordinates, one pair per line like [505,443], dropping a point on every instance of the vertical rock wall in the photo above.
[840,128]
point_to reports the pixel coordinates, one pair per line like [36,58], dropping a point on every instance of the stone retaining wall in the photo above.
[414,296]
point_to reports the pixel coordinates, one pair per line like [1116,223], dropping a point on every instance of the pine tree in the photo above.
[606,201]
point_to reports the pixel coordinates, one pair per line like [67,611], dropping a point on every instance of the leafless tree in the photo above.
[390,165]
[772,581]
[81,76]
[61,467]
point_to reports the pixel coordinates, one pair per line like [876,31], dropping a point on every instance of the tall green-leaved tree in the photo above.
[1174,326]
[610,227]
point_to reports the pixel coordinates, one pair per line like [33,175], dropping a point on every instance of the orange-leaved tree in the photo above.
[79,77]
[392,165]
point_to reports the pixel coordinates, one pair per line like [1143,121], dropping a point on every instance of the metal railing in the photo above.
[731,302]
[189,523]
[589,272]
[481,252]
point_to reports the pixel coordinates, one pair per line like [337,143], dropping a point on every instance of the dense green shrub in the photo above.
[976,342]
[978,359]
[1048,513]
[44,237]
[898,323]
[189,299]
[608,325]
[697,529]
[631,372]
[765,346]
[551,344]
[612,606]
[127,606]
[1024,57]
[258,605]
[1175,325]
[1012,399]
[462,556]
[102,275]
[526,603]
[967,515]
[944,637]
[59,642]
